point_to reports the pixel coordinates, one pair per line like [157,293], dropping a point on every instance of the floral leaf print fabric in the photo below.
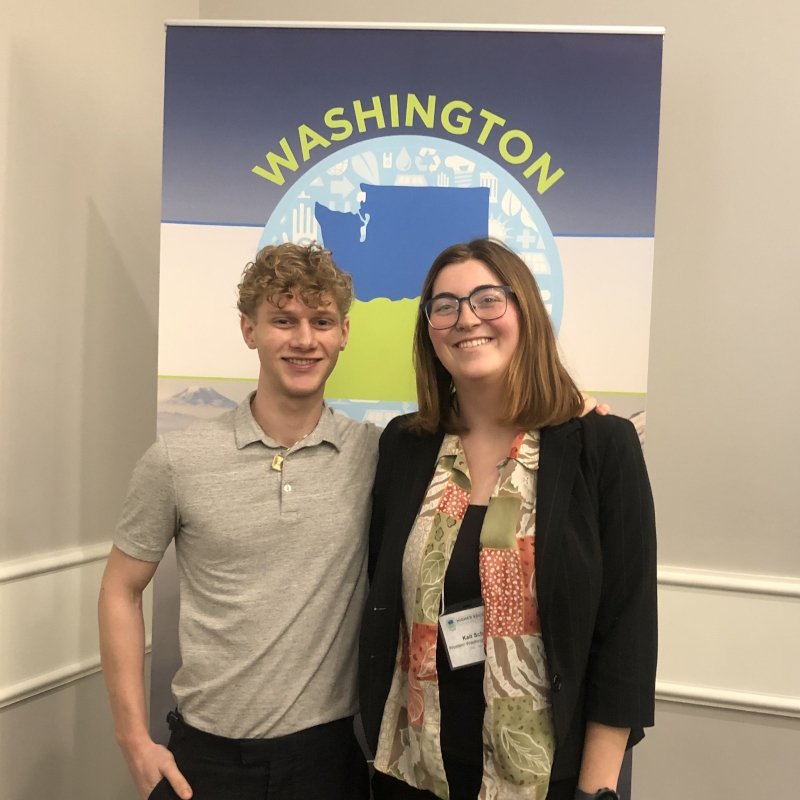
[519,741]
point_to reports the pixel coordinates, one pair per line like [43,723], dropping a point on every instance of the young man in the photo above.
[269,506]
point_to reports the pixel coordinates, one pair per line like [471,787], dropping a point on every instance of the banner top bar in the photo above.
[437,26]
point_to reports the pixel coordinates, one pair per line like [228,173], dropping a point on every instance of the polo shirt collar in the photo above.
[327,430]
[247,430]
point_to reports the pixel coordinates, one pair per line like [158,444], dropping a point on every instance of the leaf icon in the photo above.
[365,166]
[510,203]
[527,220]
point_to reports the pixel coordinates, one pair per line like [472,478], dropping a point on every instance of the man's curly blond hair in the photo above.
[283,271]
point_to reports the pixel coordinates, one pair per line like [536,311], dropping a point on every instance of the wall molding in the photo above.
[10,695]
[752,702]
[48,621]
[14,573]
[743,583]
[747,583]
[54,561]
[667,691]
[55,679]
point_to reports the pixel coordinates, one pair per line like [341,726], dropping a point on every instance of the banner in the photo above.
[387,145]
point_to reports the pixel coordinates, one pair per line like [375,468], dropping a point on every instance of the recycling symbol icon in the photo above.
[427,159]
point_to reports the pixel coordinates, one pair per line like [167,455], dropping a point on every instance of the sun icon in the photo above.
[498,229]
[338,168]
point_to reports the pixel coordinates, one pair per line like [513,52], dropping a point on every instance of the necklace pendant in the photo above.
[277,462]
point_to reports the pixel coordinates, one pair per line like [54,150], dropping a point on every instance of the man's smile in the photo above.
[301,362]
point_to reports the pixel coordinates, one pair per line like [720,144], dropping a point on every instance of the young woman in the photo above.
[508,648]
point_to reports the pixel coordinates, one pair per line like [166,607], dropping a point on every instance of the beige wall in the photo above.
[723,358]
[80,116]
[724,328]
[80,149]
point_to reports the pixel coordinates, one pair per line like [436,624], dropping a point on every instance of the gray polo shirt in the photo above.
[272,567]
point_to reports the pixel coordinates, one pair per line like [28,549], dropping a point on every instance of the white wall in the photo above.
[80,117]
[80,150]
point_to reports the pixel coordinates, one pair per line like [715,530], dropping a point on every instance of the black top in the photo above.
[462,581]
[461,691]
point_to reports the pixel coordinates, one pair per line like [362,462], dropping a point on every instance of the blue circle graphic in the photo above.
[336,183]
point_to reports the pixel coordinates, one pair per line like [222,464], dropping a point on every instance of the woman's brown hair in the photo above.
[538,390]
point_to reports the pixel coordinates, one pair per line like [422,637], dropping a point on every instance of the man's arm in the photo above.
[122,654]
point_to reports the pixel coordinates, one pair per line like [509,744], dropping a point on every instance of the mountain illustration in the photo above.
[193,404]
[200,396]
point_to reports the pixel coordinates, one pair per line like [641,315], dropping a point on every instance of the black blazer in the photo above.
[595,556]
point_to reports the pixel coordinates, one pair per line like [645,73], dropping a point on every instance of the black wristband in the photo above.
[600,794]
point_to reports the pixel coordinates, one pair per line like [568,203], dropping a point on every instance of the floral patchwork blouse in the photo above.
[518,734]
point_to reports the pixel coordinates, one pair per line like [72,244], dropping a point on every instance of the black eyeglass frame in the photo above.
[425,307]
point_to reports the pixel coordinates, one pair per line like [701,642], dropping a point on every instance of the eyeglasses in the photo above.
[486,302]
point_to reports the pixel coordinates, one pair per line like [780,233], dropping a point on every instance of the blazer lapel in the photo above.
[420,461]
[559,454]
[418,457]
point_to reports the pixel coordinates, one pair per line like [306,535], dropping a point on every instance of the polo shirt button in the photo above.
[287,487]
[556,683]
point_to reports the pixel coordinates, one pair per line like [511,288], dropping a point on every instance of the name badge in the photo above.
[462,633]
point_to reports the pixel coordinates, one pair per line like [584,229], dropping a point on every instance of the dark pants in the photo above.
[384,787]
[320,762]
